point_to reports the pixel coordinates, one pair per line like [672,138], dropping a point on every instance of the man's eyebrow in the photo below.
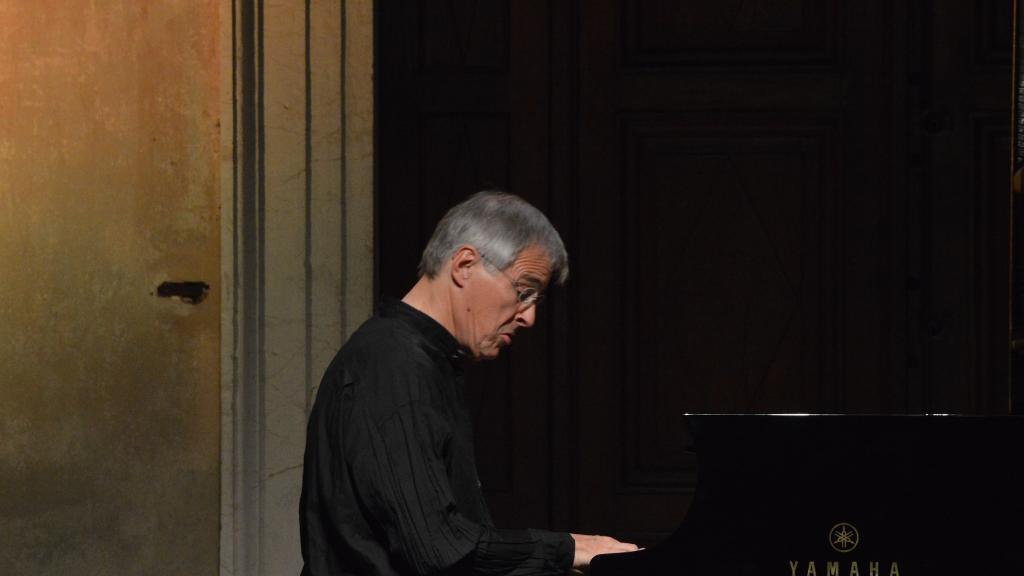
[534,281]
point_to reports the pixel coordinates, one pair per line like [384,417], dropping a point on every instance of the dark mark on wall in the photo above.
[188,292]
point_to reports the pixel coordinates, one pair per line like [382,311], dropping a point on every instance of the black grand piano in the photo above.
[817,495]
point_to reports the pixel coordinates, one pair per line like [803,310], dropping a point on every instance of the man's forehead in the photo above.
[533,265]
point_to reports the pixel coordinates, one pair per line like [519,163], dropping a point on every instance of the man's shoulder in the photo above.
[385,359]
[384,339]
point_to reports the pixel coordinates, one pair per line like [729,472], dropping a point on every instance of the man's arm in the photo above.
[403,488]
[403,484]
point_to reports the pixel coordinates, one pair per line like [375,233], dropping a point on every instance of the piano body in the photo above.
[841,495]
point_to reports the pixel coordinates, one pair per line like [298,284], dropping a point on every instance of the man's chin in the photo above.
[489,351]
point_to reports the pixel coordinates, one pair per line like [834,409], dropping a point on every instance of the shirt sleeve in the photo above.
[516,552]
[403,484]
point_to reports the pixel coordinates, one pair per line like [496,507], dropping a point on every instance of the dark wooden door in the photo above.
[961,197]
[770,206]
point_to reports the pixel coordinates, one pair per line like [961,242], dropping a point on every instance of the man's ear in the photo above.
[464,262]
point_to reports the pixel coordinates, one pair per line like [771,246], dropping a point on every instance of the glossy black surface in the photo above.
[925,494]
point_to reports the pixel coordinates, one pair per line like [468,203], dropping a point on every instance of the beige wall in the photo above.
[109,396]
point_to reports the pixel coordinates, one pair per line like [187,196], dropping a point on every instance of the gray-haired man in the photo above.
[390,485]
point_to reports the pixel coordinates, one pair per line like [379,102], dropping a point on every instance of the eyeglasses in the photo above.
[526,295]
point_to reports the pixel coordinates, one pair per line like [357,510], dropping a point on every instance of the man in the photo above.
[390,485]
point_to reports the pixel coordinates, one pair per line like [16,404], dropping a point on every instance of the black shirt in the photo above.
[390,483]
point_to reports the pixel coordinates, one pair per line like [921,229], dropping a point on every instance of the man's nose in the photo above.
[527,317]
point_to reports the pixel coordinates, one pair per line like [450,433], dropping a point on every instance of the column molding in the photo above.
[297,245]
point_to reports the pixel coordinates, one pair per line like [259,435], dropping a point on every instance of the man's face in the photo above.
[491,312]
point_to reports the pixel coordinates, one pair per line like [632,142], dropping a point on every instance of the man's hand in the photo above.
[589,546]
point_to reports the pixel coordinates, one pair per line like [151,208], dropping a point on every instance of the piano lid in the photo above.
[846,494]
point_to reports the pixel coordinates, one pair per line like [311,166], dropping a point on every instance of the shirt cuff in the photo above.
[522,552]
[558,547]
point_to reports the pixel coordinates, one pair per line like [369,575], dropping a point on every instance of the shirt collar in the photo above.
[434,332]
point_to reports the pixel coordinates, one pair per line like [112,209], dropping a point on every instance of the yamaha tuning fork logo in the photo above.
[843,537]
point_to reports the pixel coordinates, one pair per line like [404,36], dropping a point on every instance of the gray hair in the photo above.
[500,226]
